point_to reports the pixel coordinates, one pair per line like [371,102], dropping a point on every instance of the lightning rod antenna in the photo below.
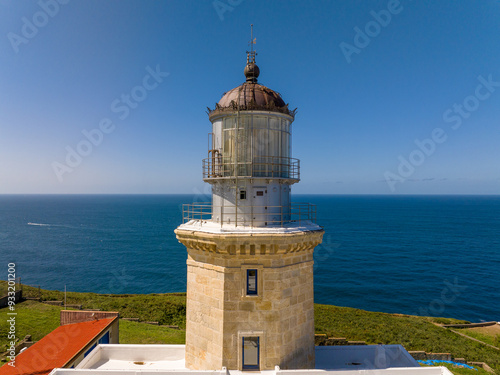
[251,55]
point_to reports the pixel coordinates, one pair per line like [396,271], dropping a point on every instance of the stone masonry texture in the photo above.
[220,313]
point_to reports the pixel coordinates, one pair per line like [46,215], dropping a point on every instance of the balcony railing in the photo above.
[251,215]
[218,166]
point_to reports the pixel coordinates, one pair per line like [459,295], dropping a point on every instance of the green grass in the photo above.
[142,333]
[38,319]
[33,318]
[167,309]
[489,339]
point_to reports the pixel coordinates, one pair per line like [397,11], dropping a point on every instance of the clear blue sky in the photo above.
[362,100]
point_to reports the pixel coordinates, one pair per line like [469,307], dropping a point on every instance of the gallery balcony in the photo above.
[275,167]
[250,216]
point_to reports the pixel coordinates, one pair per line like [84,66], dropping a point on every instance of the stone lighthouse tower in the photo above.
[250,293]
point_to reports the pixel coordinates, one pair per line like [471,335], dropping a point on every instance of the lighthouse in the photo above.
[250,294]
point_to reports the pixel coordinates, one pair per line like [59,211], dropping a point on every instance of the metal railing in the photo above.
[218,166]
[250,215]
[196,211]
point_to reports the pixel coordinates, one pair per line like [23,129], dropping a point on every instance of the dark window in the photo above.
[243,194]
[88,351]
[104,339]
[260,193]
[251,282]
[251,352]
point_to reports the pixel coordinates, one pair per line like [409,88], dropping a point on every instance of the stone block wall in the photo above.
[204,315]
[220,313]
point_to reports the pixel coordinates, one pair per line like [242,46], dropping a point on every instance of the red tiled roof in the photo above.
[56,349]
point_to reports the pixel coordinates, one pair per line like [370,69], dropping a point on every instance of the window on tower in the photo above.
[243,194]
[251,282]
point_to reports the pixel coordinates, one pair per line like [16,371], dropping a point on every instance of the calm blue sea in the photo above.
[425,255]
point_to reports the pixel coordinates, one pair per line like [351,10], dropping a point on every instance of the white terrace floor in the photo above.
[213,227]
[169,359]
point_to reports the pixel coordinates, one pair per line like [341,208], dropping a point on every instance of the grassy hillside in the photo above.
[167,309]
[414,333]
[489,338]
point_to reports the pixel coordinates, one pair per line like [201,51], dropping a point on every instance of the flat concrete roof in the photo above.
[135,357]
[114,359]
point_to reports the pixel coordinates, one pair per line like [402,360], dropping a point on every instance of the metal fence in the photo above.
[251,215]
[218,166]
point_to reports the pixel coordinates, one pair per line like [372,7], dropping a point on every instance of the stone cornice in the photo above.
[246,243]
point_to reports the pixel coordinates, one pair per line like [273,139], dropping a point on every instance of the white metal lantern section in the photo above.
[250,168]
[251,145]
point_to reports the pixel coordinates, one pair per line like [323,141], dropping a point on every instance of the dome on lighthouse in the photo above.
[252,93]
[251,96]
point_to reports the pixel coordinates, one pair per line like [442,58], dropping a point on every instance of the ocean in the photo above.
[423,255]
